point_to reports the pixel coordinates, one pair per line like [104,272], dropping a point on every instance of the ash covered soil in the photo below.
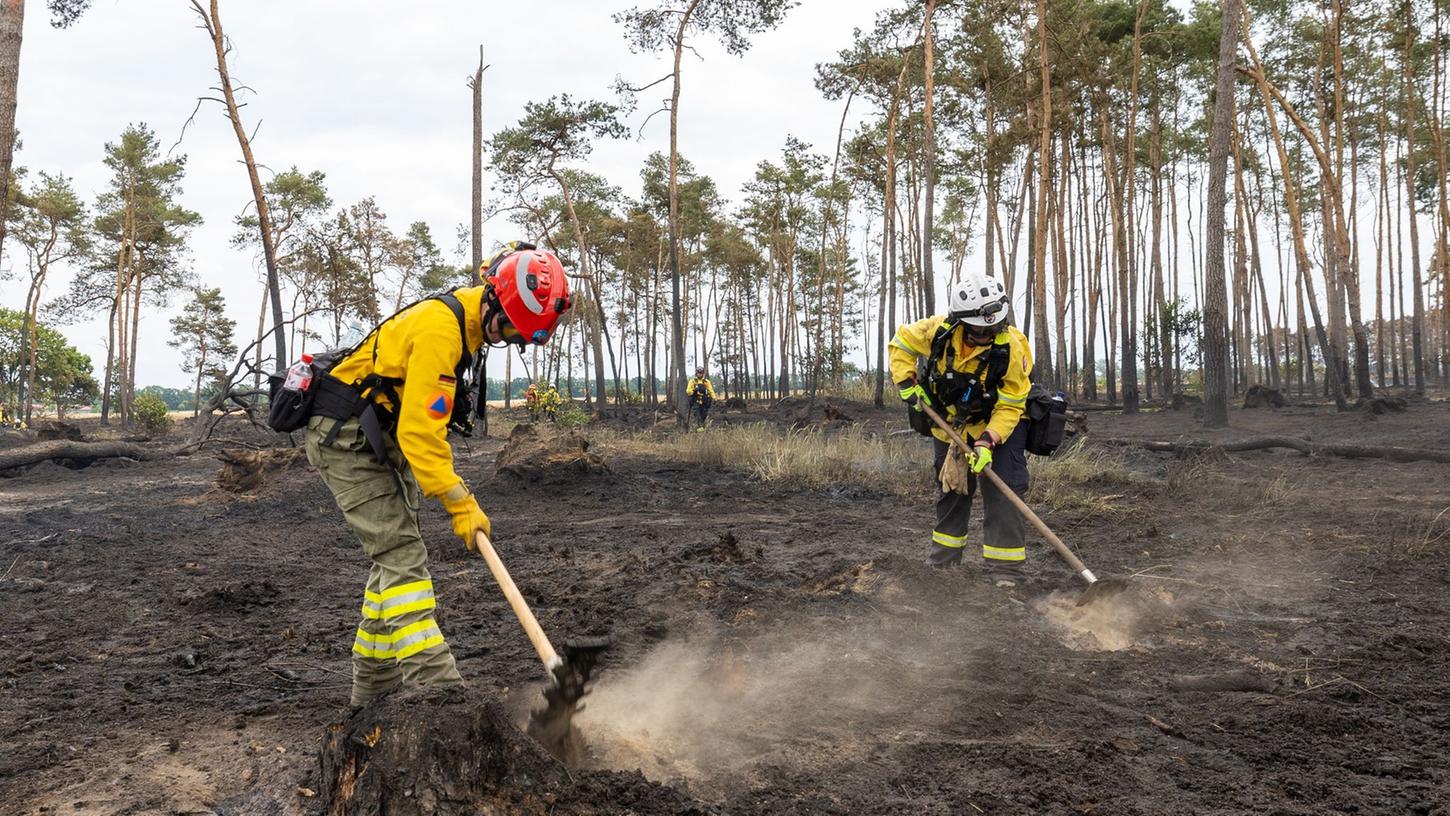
[172,648]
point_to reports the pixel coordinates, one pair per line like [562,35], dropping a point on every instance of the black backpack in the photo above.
[290,410]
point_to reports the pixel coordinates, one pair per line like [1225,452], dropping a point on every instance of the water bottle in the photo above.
[299,376]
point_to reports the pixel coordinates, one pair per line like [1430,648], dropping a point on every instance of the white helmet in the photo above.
[978,300]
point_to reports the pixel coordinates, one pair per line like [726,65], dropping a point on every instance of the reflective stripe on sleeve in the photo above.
[1011,399]
[1004,553]
[905,346]
[955,542]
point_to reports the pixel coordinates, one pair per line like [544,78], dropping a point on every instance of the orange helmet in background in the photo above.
[530,287]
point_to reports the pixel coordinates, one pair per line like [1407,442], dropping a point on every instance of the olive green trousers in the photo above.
[397,640]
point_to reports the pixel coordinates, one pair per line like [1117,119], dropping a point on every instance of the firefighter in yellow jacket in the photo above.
[378,436]
[701,395]
[974,368]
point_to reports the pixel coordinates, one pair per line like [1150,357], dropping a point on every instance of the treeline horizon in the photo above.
[1197,200]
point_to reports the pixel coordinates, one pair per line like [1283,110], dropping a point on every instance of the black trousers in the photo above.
[1003,549]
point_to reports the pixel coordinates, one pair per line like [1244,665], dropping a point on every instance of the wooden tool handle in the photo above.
[516,600]
[1067,555]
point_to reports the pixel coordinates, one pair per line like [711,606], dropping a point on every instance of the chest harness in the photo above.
[965,397]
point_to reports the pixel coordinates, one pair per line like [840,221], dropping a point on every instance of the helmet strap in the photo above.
[491,309]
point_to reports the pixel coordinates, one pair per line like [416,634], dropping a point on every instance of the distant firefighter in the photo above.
[702,395]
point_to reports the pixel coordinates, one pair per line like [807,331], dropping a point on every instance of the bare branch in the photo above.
[647,86]
[647,119]
[187,124]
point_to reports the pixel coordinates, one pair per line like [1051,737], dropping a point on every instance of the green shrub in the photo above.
[572,416]
[149,410]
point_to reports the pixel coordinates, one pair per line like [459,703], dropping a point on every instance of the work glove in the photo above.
[953,475]
[912,392]
[468,517]
[981,458]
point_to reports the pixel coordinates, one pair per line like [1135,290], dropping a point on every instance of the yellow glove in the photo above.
[468,517]
[911,391]
[981,458]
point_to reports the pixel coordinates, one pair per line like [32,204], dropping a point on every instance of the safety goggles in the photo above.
[981,332]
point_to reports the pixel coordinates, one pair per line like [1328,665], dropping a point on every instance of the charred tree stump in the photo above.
[440,752]
[1259,396]
[243,471]
[434,754]
[537,455]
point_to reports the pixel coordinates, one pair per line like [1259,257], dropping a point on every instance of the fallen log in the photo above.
[1303,446]
[86,452]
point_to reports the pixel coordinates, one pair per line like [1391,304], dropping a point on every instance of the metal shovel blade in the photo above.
[1103,589]
[553,725]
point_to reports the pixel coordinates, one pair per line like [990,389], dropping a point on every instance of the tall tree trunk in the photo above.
[12,20]
[991,178]
[888,235]
[1417,319]
[928,279]
[110,365]
[140,280]
[213,24]
[1160,298]
[1042,368]
[598,338]
[1215,318]
[677,325]
[476,221]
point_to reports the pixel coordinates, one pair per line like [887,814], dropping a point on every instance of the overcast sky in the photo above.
[373,94]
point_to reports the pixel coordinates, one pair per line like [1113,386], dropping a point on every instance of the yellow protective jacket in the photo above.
[913,341]
[421,347]
[694,381]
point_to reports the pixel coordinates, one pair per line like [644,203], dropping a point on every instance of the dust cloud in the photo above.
[1108,624]
[708,709]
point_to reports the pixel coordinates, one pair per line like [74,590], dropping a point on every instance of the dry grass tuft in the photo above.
[858,389]
[1417,535]
[809,457]
[1093,480]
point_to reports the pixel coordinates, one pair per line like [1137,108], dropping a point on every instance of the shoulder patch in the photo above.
[440,405]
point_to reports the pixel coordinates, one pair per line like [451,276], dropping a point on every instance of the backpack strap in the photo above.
[941,344]
[373,384]
[998,359]
[465,358]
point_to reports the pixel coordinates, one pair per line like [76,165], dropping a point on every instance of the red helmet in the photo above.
[530,287]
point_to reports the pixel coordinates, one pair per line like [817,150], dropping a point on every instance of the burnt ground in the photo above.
[171,648]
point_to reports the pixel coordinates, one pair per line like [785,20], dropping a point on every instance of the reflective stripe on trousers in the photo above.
[401,644]
[1004,553]
[946,540]
[416,596]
